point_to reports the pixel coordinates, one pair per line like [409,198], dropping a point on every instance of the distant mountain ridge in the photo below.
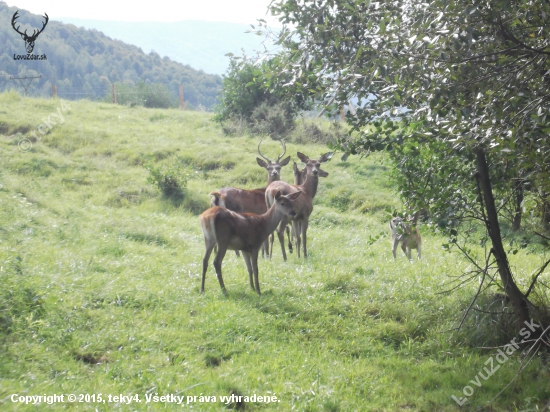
[85,63]
[200,44]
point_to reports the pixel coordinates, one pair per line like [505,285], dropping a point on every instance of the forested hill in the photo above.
[88,60]
[201,44]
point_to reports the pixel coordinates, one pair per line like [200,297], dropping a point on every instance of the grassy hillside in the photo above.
[100,280]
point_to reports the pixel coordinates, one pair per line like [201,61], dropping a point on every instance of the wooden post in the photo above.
[54,91]
[113,88]
[182,101]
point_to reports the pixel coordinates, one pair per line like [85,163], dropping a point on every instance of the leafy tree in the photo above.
[254,94]
[473,74]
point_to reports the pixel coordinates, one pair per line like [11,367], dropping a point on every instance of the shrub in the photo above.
[311,132]
[275,120]
[252,97]
[170,179]
[143,94]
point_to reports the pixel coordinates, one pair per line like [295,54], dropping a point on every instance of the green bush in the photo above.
[253,100]
[312,132]
[170,179]
[148,95]
[275,120]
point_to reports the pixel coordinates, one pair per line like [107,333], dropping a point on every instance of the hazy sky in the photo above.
[235,11]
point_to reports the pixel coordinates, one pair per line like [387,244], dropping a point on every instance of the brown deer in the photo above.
[241,231]
[406,233]
[303,206]
[251,201]
[299,175]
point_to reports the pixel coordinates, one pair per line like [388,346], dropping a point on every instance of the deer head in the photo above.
[29,40]
[314,166]
[273,168]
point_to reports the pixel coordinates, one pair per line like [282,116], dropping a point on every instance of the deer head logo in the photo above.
[29,40]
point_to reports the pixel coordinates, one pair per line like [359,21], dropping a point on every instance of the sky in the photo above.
[234,11]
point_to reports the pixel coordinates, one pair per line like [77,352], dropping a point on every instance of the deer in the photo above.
[303,206]
[246,232]
[406,233]
[251,201]
[299,178]
[29,40]
[299,175]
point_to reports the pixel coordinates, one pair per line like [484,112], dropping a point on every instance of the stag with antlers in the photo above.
[251,201]
[241,231]
[303,206]
[29,40]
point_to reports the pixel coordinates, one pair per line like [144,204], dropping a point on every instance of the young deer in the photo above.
[407,234]
[241,231]
[251,201]
[303,206]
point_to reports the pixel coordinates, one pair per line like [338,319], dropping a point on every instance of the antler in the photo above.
[35,32]
[15,16]
[284,150]
[260,153]
[43,25]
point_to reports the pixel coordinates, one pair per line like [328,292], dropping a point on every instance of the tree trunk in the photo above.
[518,300]
[518,189]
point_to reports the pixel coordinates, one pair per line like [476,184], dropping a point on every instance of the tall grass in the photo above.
[100,280]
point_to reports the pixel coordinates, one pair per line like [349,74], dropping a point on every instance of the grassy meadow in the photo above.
[100,278]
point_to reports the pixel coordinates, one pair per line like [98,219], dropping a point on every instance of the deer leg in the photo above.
[406,251]
[254,259]
[248,262]
[281,235]
[237,253]
[304,225]
[266,247]
[394,248]
[418,250]
[271,239]
[205,260]
[296,228]
[218,265]
[289,239]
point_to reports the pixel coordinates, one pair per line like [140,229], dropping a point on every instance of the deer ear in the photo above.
[322,173]
[294,195]
[302,157]
[284,162]
[278,194]
[326,157]
[261,162]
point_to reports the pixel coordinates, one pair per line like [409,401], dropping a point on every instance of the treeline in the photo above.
[90,61]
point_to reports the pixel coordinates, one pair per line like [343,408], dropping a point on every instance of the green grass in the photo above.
[100,280]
